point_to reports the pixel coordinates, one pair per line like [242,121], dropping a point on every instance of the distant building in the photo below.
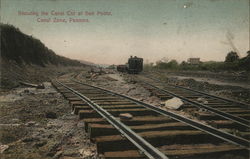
[194,61]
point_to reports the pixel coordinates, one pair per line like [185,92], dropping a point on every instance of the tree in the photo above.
[173,64]
[232,57]
[184,63]
[248,53]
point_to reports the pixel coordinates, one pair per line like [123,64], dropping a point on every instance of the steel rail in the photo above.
[228,116]
[146,148]
[200,126]
[243,105]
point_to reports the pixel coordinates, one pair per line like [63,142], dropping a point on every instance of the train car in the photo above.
[122,68]
[134,66]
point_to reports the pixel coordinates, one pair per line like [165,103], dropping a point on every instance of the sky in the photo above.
[152,29]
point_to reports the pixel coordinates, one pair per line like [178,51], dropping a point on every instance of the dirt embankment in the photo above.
[238,77]
[25,58]
[231,85]
[12,73]
[238,93]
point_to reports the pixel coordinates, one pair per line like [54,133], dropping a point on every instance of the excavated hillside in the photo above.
[25,58]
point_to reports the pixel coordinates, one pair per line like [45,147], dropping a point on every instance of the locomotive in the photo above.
[134,65]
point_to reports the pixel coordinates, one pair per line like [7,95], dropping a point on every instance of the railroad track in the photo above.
[228,115]
[150,133]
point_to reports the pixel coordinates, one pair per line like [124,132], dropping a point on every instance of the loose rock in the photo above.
[202,100]
[40,86]
[51,115]
[30,123]
[126,116]
[3,148]
[174,103]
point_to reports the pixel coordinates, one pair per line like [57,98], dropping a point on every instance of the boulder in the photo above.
[174,103]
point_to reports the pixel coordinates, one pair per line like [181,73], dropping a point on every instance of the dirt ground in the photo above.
[11,73]
[38,123]
[121,83]
[219,84]
[223,76]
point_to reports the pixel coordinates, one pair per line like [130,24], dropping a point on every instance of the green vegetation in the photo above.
[23,49]
[232,63]
[232,57]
